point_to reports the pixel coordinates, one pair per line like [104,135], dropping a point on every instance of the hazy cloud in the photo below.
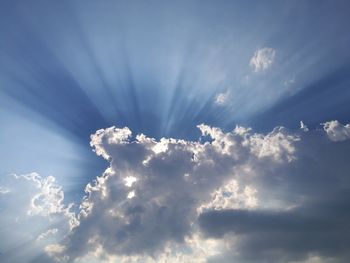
[34,212]
[262,59]
[221,99]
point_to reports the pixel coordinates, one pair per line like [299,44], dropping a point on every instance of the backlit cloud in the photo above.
[238,194]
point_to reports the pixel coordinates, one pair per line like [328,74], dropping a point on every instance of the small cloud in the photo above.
[262,59]
[131,194]
[47,233]
[55,251]
[221,99]
[129,180]
[303,127]
[336,131]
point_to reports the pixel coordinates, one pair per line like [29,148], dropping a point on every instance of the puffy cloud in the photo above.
[262,185]
[230,196]
[302,213]
[280,196]
[33,214]
[336,131]
[55,251]
[150,196]
[262,59]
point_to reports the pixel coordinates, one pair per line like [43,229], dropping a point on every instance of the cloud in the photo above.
[262,59]
[281,196]
[221,99]
[303,127]
[336,131]
[319,228]
[302,212]
[171,180]
[33,213]
[278,236]
[230,196]
[47,234]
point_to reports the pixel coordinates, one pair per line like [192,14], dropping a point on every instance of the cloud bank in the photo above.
[234,196]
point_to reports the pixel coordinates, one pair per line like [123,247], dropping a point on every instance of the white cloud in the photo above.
[177,181]
[191,201]
[303,127]
[337,131]
[231,196]
[49,199]
[34,213]
[46,234]
[262,59]
[278,144]
[221,99]
[129,180]
[54,251]
[171,180]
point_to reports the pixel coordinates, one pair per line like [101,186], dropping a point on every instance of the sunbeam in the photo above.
[91,90]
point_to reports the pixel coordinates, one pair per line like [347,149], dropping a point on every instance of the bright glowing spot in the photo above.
[131,194]
[130,180]
[161,146]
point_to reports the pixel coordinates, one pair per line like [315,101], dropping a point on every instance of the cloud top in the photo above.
[225,198]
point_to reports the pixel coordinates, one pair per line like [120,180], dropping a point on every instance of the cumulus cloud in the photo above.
[281,196]
[262,59]
[336,131]
[33,213]
[302,211]
[150,196]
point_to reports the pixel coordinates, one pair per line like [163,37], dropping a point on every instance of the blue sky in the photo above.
[70,68]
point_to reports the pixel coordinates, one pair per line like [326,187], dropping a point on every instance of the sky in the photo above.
[175,131]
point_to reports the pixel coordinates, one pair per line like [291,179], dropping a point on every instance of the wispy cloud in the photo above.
[222,99]
[262,59]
